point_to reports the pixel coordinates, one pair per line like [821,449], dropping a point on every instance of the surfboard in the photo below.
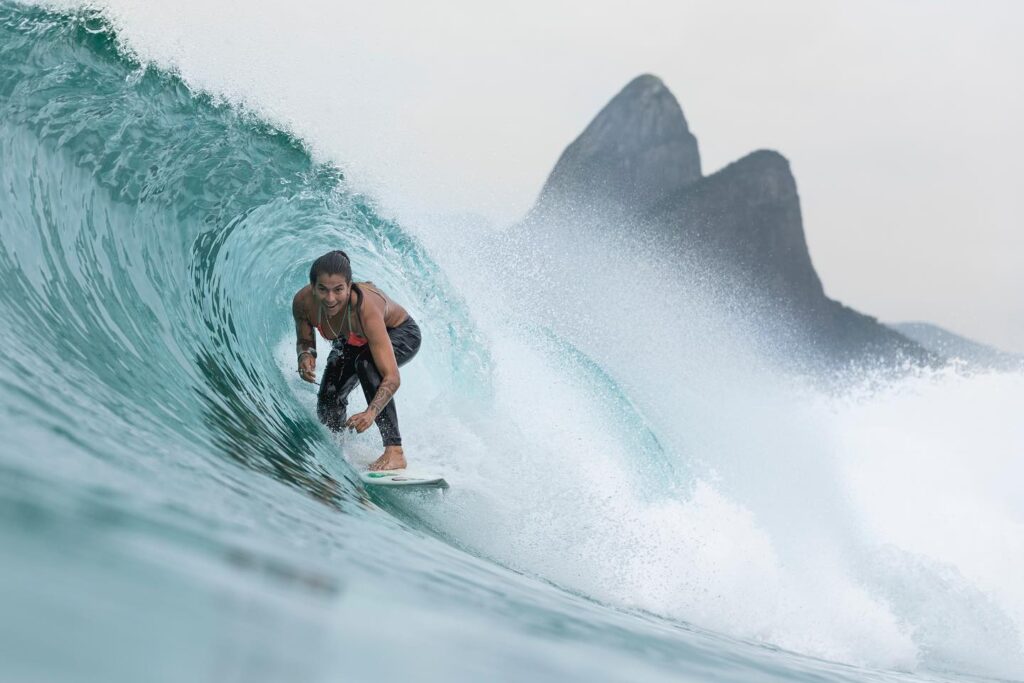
[403,478]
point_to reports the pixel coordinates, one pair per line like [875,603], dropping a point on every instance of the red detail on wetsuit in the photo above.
[353,338]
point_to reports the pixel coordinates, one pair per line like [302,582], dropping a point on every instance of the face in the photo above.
[332,291]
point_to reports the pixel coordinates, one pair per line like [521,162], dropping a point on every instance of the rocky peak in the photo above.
[637,151]
[747,215]
[636,168]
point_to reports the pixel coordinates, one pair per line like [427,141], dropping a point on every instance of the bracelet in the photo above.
[305,352]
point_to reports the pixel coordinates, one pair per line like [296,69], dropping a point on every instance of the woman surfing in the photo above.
[371,337]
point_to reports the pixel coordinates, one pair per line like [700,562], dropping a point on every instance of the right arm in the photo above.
[305,341]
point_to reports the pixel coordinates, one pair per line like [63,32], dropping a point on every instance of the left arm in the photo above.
[384,358]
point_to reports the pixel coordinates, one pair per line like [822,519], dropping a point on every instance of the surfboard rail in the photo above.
[404,478]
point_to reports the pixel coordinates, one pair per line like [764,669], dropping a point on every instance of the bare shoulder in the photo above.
[301,302]
[371,305]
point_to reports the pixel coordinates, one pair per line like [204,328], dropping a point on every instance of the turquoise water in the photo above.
[170,509]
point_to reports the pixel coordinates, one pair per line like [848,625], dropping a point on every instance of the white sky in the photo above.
[902,118]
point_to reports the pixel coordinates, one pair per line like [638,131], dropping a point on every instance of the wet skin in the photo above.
[329,294]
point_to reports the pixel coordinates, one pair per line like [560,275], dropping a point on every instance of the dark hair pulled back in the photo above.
[332,263]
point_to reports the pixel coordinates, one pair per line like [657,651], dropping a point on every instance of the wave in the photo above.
[640,456]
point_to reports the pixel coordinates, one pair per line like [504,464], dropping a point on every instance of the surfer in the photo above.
[371,336]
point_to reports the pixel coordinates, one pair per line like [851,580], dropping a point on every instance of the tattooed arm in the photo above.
[383,353]
[385,391]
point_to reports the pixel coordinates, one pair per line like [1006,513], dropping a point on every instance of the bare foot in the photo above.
[393,459]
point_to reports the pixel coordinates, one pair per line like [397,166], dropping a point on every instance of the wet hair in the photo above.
[332,263]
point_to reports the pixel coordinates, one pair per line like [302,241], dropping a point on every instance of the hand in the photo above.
[307,368]
[361,421]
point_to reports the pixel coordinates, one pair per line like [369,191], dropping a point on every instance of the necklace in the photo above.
[337,336]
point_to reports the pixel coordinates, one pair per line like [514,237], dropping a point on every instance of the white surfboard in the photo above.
[403,478]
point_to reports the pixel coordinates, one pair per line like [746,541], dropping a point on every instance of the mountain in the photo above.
[746,216]
[636,167]
[637,151]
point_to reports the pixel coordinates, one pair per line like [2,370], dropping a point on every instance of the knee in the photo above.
[332,409]
[329,396]
[332,417]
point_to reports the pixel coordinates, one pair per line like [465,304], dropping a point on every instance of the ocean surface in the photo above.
[636,494]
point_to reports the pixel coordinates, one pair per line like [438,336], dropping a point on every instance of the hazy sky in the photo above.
[902,119]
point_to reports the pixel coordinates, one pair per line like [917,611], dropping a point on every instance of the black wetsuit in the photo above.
[348,364]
